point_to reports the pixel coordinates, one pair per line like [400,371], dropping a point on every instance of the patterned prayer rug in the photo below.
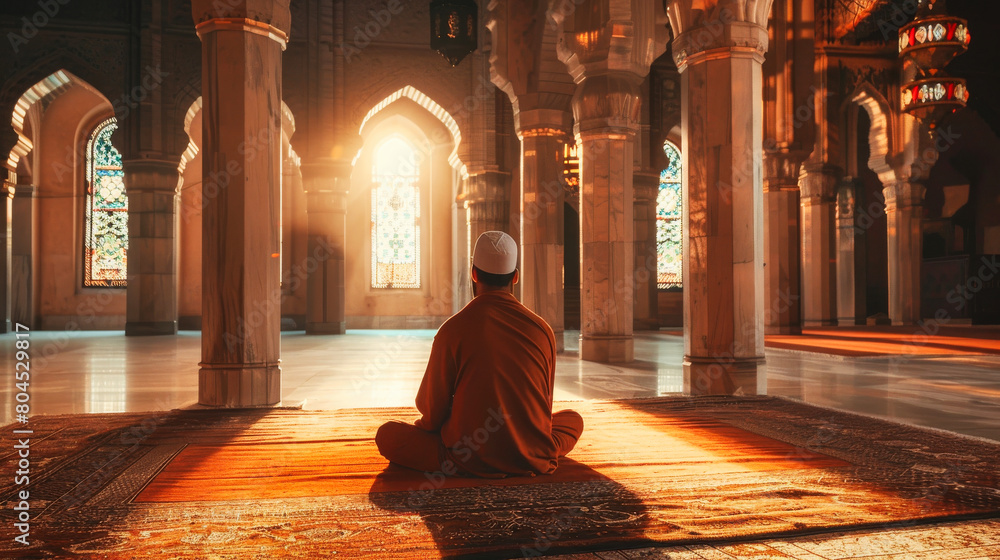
[297,484]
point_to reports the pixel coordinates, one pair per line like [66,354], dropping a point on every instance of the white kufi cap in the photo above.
[496,253]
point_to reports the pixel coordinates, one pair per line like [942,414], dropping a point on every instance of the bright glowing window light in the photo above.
[439,113]
[395,223]
[669,223]
[106,212]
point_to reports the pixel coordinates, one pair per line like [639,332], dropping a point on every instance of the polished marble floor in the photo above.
[88,372]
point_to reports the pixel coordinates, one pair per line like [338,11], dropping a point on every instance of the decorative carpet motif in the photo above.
[296,484]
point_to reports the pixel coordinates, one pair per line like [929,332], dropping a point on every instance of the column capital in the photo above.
[903,194]
[719,39]
[818,183]
[325,176]
[545,121]
[616,36]
[608,103]
[726,30]
[845,203]
[781,170]
[268,18]
[24,190]
[645,186]
[151,175]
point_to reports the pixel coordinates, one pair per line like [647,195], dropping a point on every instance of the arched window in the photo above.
[106,213]
[395,216]
[669,260]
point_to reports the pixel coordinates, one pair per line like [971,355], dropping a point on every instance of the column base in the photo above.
[609,349]
[150,328]
[809,323]
[560,340]
[5,326]
[645,325]
[726,376]
[846,322]
[239,385]
[782,329]
[326,328]
[293,322]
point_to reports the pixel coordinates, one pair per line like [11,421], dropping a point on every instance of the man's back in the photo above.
[493,368]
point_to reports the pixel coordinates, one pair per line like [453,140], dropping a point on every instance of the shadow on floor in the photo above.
[575,509]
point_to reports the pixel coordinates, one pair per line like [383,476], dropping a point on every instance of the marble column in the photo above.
[6,197]
[848,310]
[904,211]
[151,186]
[23,248]
[486,204]
[606,110]
[782,265]
[325,183]
[242,42]
[722,124]
[542,199]
[646,187]
[290,183]
[818,194]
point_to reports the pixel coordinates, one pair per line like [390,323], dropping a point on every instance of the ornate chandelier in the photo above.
[927,44]
[454,28]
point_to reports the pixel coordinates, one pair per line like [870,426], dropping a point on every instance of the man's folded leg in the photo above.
[567,426]
[409,446]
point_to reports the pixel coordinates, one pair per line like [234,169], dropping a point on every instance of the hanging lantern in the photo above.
[929,99]
[927,44]
[454,28]
[932,42]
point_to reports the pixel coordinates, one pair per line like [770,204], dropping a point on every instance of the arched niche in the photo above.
[432,135]
[54,120]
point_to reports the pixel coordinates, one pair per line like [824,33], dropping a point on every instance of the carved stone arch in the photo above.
[456,99]
[29,73]
[528,69]
[880,138]
[192,148]
[184,99]
[432,107]
[27,112]
[193,108]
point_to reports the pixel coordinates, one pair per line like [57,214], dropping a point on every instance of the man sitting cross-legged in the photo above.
[486,397]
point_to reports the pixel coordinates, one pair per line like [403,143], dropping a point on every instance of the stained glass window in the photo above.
[669,258]
[395,216]
[106,233]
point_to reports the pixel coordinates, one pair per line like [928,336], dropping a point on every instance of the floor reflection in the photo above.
[105,372]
